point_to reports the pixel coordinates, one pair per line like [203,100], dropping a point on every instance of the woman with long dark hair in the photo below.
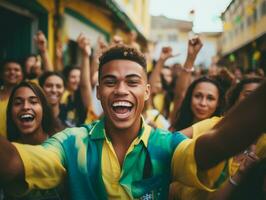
[29,116]
[30,121]
[204,99]
[53,85]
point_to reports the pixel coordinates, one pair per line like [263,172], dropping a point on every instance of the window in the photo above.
[172,37]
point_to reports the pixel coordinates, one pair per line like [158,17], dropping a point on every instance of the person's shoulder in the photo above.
[82,131]
[201,127]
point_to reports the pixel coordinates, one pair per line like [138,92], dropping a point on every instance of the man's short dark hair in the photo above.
[122,52]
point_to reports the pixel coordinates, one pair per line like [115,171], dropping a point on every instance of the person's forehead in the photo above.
[53,79]
[206,87]
[74,72]
[12,65]
[24,92]
[120,65]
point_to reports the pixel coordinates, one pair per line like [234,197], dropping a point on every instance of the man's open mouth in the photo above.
[122,107]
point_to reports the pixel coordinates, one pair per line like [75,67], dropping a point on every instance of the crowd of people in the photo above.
[110,128]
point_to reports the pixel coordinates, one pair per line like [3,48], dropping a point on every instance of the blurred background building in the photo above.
[63,20]
[243,42]
[175,33]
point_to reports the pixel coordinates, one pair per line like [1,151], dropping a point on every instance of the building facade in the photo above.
[176,33]
[243,42]
[63,20]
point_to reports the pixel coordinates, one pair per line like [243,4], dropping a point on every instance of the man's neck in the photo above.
[122,138]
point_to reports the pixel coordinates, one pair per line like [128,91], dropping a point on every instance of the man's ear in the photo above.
[147,92]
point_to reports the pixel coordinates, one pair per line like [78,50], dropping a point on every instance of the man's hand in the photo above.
[166,53]
[248,160]
[194,46]
[117,40]
[84,44]
[59,50]
[41,41]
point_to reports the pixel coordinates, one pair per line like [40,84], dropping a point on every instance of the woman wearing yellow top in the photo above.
[11,75]
[30,121]
[235,95]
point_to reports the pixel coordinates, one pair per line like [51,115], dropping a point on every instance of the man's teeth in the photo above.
[122,103]
[26,116]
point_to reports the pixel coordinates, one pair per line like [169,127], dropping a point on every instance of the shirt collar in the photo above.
[98,131]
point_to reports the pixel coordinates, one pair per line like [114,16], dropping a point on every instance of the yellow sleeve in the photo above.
[204,125]
[261,146]
[184,168]
[43,167]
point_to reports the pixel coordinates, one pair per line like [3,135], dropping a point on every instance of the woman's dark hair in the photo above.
[13,133]
[185,115]
[234,92]
[46,75]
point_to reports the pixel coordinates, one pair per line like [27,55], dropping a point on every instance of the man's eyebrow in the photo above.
[133,76]
[127,76]
[108,76]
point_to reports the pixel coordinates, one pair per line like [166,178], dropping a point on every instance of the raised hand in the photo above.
[166,53]
[84,44]
[41,41]
[117,40]
[194,46]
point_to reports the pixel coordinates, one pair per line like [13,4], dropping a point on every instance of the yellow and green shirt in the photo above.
[87,158]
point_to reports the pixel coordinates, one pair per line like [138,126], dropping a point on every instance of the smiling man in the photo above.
[120,156]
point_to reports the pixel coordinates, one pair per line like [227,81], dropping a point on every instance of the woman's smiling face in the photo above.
[27,112]
[204,101]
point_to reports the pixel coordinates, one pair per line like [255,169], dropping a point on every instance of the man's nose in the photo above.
[121,88]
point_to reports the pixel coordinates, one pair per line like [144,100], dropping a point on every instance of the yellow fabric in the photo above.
[111,170]
[183,192]
[184,167]
[35,80]
[204,125]
[158,102]
[48,170]
[91,116]
[261,146]
[3,107]
[149,65]
[64,97]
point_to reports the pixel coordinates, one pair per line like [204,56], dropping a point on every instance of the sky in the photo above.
[206,16]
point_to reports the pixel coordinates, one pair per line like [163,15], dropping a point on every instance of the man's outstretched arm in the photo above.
[11,165]
[235,132]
